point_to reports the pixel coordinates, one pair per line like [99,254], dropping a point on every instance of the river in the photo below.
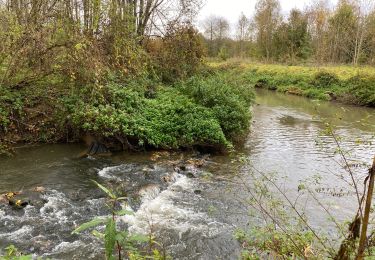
[192,210]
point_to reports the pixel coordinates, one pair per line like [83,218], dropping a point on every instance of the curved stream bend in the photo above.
[193,211]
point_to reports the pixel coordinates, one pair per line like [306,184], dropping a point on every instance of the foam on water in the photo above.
[18,235]
[2,214]
[149,192]
[161,212]
[67,246]
[167,206]
[56,206]
[106,172]
[80,250]
[120,172]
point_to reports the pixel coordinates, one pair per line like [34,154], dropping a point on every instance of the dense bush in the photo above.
[325,79]
[228,99]
[363,89]
[202,111]
[172,120]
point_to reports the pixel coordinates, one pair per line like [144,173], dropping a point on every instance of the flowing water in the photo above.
[193,210]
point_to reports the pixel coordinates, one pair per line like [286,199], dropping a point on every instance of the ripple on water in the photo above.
[162,212]
[18,235]
[106,172]
[49,226]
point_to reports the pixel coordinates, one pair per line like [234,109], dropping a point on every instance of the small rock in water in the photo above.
[177,189]
[207,174]
[40,189]
[191,175]
[156,155]
[165,178]
[3,199]
[18,204]
[197,191]
[197,162]
[168,178]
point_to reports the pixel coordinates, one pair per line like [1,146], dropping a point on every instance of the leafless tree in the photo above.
[242,32]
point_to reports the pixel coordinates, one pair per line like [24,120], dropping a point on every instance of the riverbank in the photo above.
[346,84]
[58,86]
[195,215]
[210,110]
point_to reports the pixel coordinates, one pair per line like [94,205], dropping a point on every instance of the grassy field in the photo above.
[348,84]
[344,72]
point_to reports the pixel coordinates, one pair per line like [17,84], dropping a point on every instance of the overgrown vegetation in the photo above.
[167,120]
[342,83]
[63,75]
[204,110]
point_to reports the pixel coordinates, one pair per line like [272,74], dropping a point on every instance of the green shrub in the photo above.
[172,121]
[229,101]
[316,94]
[117,241]
[223,53]
[266,240]
[363,88]
[325,79]
[10,103]
[169,120]
[202,111]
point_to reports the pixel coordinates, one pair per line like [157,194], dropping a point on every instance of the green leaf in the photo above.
[97,234]
[92,223]
[301,187]
[139,238]
[79,46]
[11,250]
[24,257]
[121,237]
[124,212]
[110,238]
[107,191]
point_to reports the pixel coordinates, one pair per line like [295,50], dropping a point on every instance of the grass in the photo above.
[344,83]
[344,72]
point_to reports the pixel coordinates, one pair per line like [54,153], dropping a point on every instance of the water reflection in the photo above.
[287,139]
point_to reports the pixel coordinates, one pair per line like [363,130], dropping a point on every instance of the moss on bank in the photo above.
[208,110]
[342,83]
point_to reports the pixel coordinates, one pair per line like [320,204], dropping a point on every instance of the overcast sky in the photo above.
[231,9]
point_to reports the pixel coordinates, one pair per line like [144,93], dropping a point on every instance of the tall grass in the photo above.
[349,84]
